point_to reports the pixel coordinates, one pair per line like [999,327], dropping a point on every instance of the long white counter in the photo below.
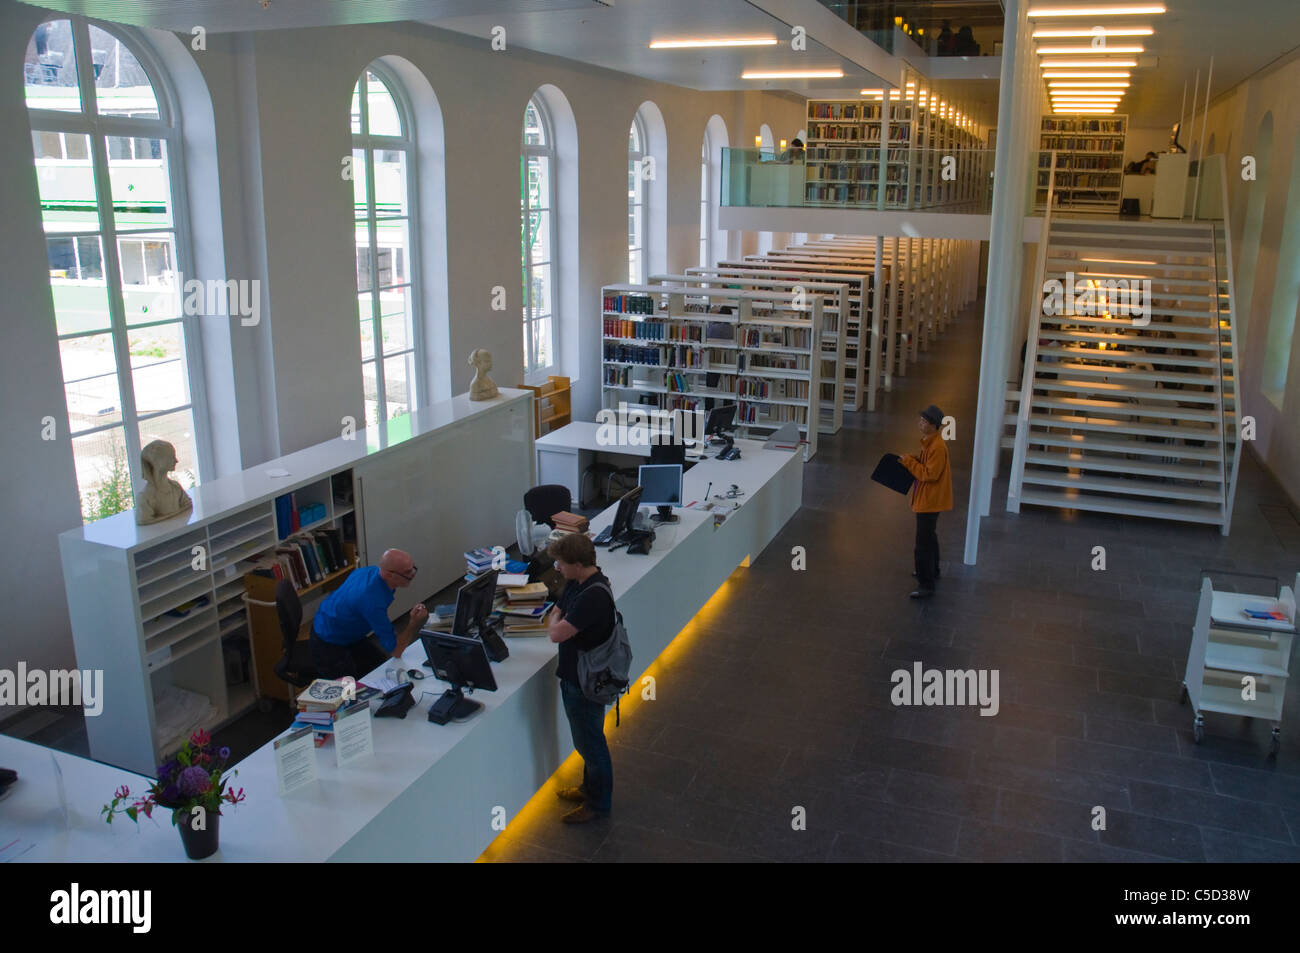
[429,792]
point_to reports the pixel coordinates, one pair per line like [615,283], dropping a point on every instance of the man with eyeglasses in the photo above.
[339,643]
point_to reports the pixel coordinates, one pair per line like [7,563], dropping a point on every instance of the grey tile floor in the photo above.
[783,700]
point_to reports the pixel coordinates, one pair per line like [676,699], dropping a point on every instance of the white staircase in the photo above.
[1125,416]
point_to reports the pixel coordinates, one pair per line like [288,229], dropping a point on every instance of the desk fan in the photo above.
[529,535]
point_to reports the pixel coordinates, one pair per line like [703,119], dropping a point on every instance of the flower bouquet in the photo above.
[192,785]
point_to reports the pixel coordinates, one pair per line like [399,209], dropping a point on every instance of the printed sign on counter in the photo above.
[352,734]
[295,760]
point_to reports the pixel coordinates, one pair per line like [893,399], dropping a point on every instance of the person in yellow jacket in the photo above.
[931,495]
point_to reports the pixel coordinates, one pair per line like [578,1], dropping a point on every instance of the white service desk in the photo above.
[430,792]
[564,454]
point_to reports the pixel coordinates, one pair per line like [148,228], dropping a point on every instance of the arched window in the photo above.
[706,219]
[388,297]
[105,139]
[537,210]
[637,206]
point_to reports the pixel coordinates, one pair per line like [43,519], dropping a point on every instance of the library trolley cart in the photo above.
[1240,656]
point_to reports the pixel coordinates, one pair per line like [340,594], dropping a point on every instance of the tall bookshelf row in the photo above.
[667,348]
[844,151]
[1089,161]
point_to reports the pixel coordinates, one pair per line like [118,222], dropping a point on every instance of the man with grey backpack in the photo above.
[594,662]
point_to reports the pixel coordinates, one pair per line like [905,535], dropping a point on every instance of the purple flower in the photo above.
[171,793]
[194,780]
[224,753]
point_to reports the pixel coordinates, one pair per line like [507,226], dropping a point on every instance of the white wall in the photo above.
[280,211]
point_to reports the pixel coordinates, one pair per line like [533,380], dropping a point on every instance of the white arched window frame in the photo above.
[537,174]
[706,217]
[385,204]
[112,187]
[638,185]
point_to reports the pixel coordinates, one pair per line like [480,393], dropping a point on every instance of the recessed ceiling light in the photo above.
[793,74]
[1087,64]
[1085,74]
[720,41]
[1098,31]
[1088,50]
[1089,84]
[1124,11]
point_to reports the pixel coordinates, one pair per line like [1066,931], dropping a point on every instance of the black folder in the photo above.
[890,472]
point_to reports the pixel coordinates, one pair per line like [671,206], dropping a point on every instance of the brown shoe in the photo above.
[571,794]
[580,815]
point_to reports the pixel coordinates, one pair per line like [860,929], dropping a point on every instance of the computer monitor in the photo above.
[463,663]
[626,510]
[474,604]
[720,419]
[662,487]
[665,454]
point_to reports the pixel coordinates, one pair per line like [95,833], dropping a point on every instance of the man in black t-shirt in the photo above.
[583,618]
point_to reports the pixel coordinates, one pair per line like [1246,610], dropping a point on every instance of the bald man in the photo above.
[339,643]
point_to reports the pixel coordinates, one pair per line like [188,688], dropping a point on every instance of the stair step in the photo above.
[1089,442]
[1121,485]
[1196,254]
[1083,461]
[1138,339]
[1073,500]
[1058,267]
[1124,407]
[1129,357]
[1087,370]
[1107,425]
[1097,321]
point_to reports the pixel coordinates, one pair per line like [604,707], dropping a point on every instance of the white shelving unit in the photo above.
[1238,665]
[1089,161]
[656,342]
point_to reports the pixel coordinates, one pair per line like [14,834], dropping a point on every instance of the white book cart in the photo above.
[1239,665]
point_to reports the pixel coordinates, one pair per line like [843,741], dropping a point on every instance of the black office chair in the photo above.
[543,502]
[295,665]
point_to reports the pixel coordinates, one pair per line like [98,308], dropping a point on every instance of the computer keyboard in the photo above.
[604,537]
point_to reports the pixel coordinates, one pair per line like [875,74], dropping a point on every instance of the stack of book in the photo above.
[477,562]
[441,618]
[304,558]
[525,611]
[569,522]
[317,706]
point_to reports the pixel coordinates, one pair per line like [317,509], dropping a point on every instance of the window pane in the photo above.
[140,187]
[356,108]
[393,238]
[121,86]
[49,68]
[539,182]
[77,284]
[364,282]
[149,292]
[370,391]
[534,131]
[178,430]
[384,120]
[399,376]
[539,236]
[395,320]
[158,368]
[90,381]
[542,342]
[67,186]
[359,193]
[390,182]
[366,316]
[541,290]
[103,473]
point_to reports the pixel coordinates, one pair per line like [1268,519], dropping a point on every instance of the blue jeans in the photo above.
[587,723]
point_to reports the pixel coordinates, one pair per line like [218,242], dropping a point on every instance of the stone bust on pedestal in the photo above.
[482,387]
[163,497]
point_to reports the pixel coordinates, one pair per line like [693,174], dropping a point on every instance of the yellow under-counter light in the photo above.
[1135,9]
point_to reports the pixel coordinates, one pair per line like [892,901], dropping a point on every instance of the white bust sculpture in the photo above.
[482,387]
[163,497]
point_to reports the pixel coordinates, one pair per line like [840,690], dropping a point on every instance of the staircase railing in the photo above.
[1230,477]
[1016,481]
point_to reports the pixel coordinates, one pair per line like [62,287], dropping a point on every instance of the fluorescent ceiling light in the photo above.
[1124,11]
[1118,261]
[720,41]
[1087,64]
[793,74]
[1099,31]
[1084,74]
[1088,50]
[1089,84]
[872,92]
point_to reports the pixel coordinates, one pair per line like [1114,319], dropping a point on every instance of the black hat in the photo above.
[934,415]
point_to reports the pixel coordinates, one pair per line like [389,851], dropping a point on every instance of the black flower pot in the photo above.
[199,843]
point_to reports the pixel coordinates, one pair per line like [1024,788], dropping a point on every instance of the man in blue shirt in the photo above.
[339,645]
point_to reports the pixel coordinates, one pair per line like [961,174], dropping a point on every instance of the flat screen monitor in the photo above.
[668,453]
[474,604]
[661,486]
[463,663]
[720,419]
[626,510]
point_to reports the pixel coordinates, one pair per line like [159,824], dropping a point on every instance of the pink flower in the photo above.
[200,738]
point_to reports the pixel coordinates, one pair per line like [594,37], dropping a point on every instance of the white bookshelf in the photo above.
[657,350]
[1089,161]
